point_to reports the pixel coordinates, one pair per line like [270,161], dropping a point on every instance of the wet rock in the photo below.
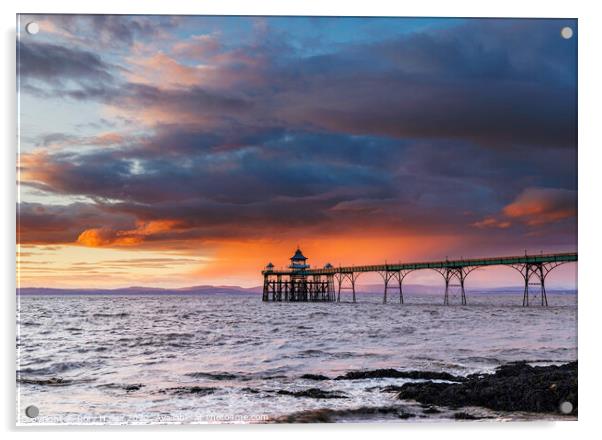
[392,373]
[314,393]
[431,410]
[326,415]
[390,389]
[465,416]
[51,381]
[315,377]
[214,376]
[119,386]
[513,387]
[201,391]
[405,415]
[133,387]
[250,390]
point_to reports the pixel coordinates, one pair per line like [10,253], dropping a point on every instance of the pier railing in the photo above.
[442,264]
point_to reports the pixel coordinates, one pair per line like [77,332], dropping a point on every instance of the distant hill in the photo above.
[375,289]
[140,290]
[438,289]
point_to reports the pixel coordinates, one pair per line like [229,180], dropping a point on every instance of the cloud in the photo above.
[103,30]
[56,224]
[104,236]
[198,47]
[161,69]
[64,140]
[212,185]
[246,138]
[56,64]
[537,206]
[492,222]
[192,105]
[505,86]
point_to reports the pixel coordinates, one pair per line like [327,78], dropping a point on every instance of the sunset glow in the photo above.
[177,151]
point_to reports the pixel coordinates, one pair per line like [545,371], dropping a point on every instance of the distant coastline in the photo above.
[370,289]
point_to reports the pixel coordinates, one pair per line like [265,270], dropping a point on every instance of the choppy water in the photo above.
[202,359]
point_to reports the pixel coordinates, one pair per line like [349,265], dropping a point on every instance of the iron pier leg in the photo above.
[353,286]
[339,290]
[279,288]
[526,293]
[385,295]
[331,294]
[544,297]
[446,297]
[462,285]
[400,291]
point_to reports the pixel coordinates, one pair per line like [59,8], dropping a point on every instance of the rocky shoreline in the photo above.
[513,387]
[544,391]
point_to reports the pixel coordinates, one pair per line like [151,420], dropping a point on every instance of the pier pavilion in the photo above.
[297,283]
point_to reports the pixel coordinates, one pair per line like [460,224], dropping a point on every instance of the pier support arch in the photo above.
[341,277]
[539,272]
[389,277]
[458,272]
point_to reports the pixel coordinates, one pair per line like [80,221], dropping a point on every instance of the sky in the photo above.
[172,151]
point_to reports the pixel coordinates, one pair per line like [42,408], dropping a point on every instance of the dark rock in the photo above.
[392,373]
[314,377]
[390,388]
[513,387]
[405,415]
[250,390]
[215,376]
[314,393]
[326,415]
[464,416]
[201,391]
[133,387]
[431,410]
[51,381]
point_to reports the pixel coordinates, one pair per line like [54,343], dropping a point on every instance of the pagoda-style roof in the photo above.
[328,266]
[298,256]
[270,265]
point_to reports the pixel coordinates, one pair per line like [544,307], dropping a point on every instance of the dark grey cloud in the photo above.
[191,167]
[39,223]
[104,30]
[331,183]
[495,82]
[56,64]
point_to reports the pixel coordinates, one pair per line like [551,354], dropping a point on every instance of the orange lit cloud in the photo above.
[537,206]
[98,237]
[492,222]
[163,69]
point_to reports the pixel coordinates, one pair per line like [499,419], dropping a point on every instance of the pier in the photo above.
[300,282]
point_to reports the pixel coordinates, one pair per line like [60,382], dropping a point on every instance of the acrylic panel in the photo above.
[228,219]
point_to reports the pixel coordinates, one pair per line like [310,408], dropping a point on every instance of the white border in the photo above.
[590,186]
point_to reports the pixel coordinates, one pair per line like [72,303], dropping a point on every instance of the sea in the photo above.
[223,358]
